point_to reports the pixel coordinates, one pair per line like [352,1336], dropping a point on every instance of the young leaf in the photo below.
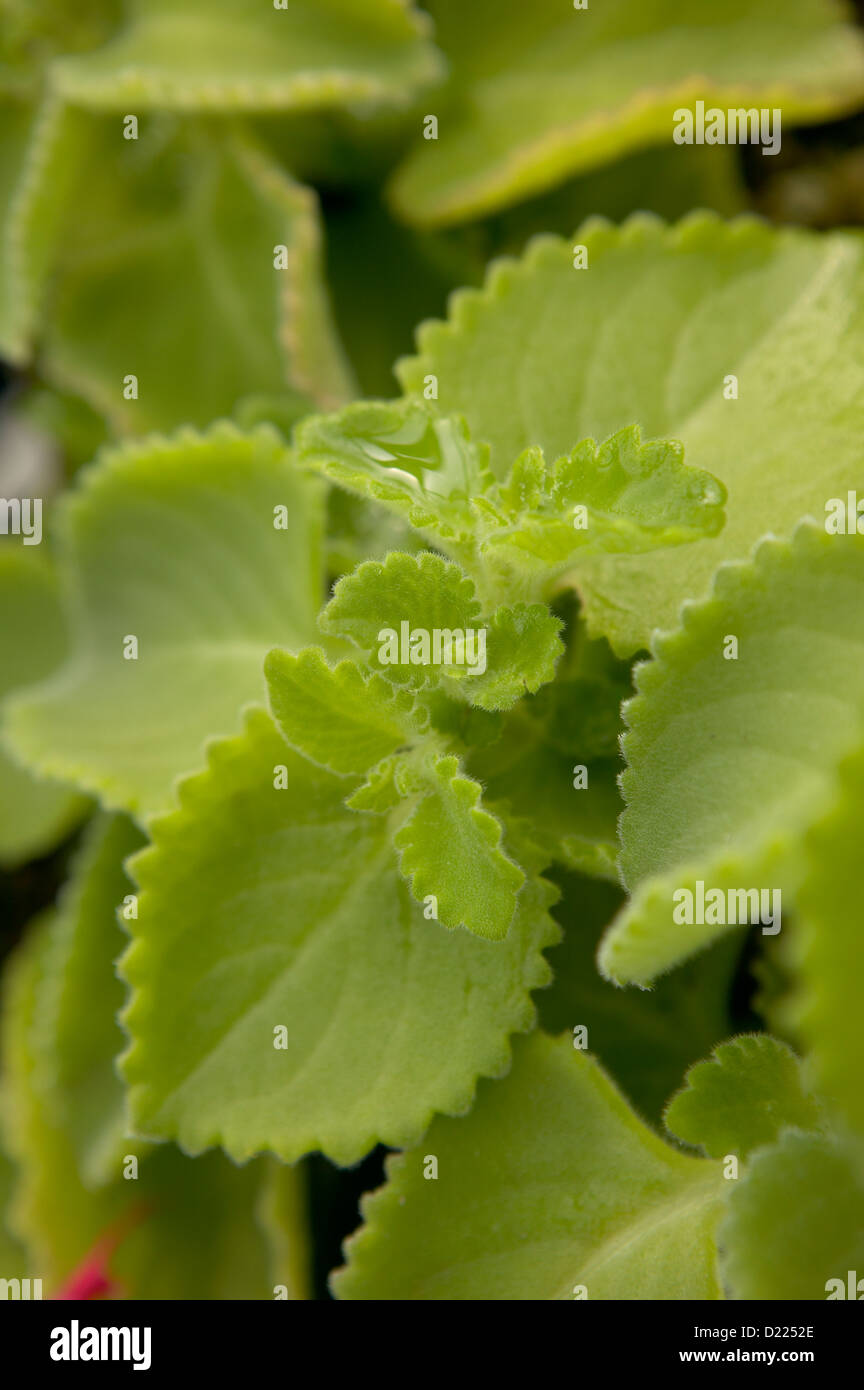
[34,814]
[338,717]
[732,750]
[550,1189]
[450,847]
[538,95]
[337,1015]
[795,1221]
[620,497]
[212,213]
[219,56]
[173,543]
[741,1098]
[737,340]
[828,947]
[417,620]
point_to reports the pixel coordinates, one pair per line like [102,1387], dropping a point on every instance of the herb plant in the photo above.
[468,763]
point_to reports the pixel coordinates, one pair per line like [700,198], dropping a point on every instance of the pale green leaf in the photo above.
[34,814]
[827,949]
[548,355]
[284,910]
[550,1183]
[450,848]
[731,759]
[197,205]
[173,542]
[337,716]
[541,92]
[795,1221]
[381,605]
[221,55]
[741,1098]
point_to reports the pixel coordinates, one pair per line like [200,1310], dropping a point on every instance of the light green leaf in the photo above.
[183,1229]
[540,94]
[337,716]
[399,455]
[827,948]
[220,55]
[550,1183]
[74,1043]
[522,650]
[622,496]
[450,847]
[197,204]
[34,814]
[173,542]
[741,1098]
[795,1220]
[731,759]
[548,355]
[405,594]
[387,1018]
[417,620]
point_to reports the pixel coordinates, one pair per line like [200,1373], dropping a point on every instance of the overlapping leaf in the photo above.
[173,542]
[223,55]
[547,355]
[623,496]
[550,1189]
[731,759]
[539,94]
[286,911]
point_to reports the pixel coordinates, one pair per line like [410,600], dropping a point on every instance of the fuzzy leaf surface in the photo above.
[551,1182]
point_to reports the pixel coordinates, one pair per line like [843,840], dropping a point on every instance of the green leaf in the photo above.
[795,1220]
[182,1229]
[34,814]
[421,593]
[399,455]
[741,1098]
[731,759]
[450,847]
[338,717]
[76,1044]
[550,1183]
[417,620]
[283,909]
[197,204]
[827,948]
[173,542]
[547,355]
[622,496]
[537,95]
[221,56]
